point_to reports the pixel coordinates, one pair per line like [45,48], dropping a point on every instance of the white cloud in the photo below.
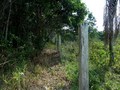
[97,8]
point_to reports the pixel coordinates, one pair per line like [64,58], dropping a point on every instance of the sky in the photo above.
[97,8]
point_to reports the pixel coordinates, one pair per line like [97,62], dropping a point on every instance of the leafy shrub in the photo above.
[69,51]
[100,78]
[69,58]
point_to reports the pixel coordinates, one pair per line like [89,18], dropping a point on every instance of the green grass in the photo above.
[101,77]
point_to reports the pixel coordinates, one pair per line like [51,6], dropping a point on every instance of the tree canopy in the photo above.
[36,20]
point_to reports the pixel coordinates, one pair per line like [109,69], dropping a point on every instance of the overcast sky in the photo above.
[96,7]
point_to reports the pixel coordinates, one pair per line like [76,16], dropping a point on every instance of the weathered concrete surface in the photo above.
[83,69]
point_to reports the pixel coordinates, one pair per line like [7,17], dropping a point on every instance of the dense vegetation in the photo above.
[27,25]
[100,75]
[34,22]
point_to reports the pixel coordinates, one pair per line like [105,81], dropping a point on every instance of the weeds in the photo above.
[25,74]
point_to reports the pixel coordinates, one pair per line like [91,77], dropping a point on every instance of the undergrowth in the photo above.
[23,74]
[101,76]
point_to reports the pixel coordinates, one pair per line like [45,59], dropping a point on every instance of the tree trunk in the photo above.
[111,49]
[83,51]
[7,26]
[58,42]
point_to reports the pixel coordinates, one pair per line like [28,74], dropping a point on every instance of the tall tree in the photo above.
[36,19]
[111,25]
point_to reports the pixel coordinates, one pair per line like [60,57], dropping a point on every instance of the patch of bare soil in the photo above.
[48,58]
[53,78]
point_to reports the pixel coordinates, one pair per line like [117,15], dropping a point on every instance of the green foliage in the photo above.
[69,58]
[99,69]
[100,76]
[93,34]
[14,80]
[92,30]
[12,58]
[69,51]
[72,71]
[30,24]
[98,54]
[40,18]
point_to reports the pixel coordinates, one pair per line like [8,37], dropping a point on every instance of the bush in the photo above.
[100,77]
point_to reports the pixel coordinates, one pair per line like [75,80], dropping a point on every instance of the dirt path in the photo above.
[53,78]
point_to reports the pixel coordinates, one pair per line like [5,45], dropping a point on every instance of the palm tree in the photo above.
[111,25]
